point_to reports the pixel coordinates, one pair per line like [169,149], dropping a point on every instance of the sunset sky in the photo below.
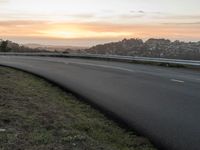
[90,22]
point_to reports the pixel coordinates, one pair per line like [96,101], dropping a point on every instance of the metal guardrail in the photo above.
[191,63]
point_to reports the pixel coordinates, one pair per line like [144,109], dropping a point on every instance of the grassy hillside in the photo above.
[36,115]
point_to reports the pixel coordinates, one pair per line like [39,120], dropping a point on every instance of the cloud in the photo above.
[141,11]
[84,15]
[183,23]
[94,31]
[4,1]
[14,23]
[178,17]
[159,16]
[130,16]
[146,12]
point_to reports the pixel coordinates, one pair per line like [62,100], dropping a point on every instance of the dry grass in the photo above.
[36,115]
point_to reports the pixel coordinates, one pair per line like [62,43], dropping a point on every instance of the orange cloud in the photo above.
[96,30]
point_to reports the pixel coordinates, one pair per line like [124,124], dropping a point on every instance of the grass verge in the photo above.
[36,115]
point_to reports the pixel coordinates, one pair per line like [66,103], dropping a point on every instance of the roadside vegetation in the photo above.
[36,115]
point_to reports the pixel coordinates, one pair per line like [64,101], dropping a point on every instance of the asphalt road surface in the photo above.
[160,103]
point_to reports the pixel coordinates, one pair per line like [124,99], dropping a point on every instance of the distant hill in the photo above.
[163,48]
[9,46]
[53,47]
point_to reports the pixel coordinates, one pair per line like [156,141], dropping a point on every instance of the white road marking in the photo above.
[102,66]
[179,81]
[2,130]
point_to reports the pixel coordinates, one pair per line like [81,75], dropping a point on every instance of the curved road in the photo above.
[161,103]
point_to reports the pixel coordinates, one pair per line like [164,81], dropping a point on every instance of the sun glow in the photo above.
[98,20]
[82,34]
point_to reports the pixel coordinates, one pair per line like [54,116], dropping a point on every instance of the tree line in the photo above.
[9,46]
[4,47]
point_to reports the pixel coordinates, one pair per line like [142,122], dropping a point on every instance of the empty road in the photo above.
[160,103]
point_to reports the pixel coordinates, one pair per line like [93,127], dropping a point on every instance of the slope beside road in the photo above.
[37,115]
[161,103]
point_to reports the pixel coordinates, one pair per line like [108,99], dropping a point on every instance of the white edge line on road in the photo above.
[179,81]
[102,66]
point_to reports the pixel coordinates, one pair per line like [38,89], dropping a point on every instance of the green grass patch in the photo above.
[36,115]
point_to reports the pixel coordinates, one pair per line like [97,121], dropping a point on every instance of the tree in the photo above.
[4,46]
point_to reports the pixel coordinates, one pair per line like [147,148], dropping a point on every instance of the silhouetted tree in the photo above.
[4,46]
